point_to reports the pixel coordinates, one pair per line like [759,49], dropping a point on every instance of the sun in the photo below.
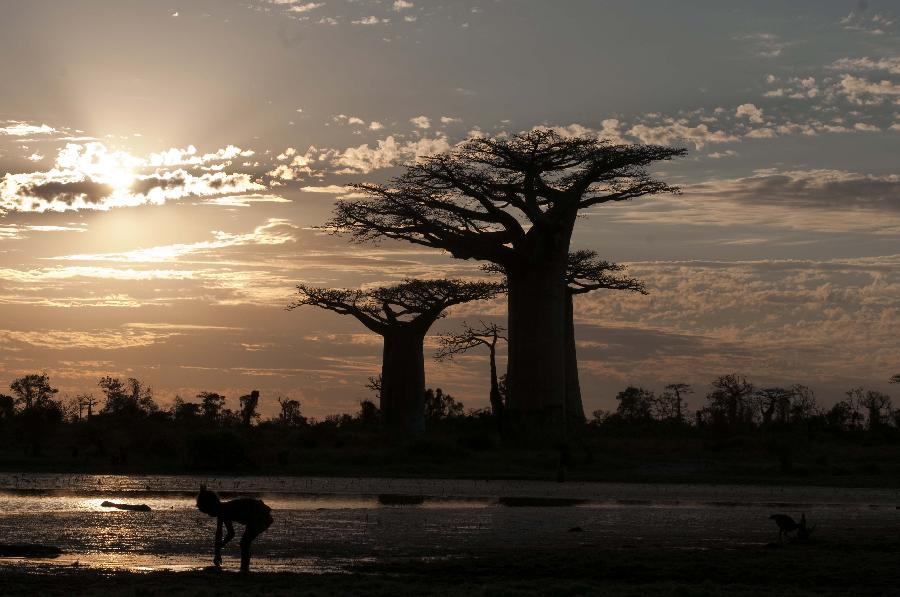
[117,176]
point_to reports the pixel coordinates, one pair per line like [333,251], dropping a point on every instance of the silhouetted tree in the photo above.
[512,201]
[488,335]
[290,413]
[40,413]
[185,412]
[775,405]
[212,405]
[855,399]
[670,404]
[803,403]
[7,407]
[878,407]
[635,405]
[32,390]
[249,404]
[401,315]
[440,406]
[86,404]
[730,402]
[839,416]
[586,273]
[895,379]
[129,398]
[368,413]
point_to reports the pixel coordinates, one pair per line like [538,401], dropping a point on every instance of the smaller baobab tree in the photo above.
[484,334]
[402,315]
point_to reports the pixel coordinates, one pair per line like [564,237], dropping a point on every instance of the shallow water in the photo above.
[325,525]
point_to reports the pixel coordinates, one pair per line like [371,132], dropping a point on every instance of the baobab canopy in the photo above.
[401,314]
[512,201]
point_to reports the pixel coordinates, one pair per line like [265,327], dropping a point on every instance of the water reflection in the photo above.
[325,525]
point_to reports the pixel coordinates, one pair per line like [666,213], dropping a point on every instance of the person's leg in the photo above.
[248,537]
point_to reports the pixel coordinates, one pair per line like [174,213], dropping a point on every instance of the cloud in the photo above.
[21,128]
[831,189]
[94,339]
[679,132]
[878,23]
[86,191]
[388,152]
[274,232]
[91,176]
[298,166]
[246,200]
[750,112]
[890,64]
[306,7]
[766,45]
[830,319]
[862,91]
[334,189]
[371,20]
[402,5]
[421,122]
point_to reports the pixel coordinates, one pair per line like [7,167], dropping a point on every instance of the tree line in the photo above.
[734,405]
[125,424]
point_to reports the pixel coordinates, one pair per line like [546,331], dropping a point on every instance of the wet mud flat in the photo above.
[407,536]
[817,568]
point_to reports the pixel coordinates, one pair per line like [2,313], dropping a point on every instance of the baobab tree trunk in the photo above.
[402,399]
[497,406]
[536,378]
[574,405]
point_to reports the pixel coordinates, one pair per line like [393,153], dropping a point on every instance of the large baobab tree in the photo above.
[487,335]
[586,273]
[512,201]
[401,314]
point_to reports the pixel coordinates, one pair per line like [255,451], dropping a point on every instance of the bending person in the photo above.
[254,514]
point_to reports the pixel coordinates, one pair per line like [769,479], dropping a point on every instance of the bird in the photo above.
[787,525]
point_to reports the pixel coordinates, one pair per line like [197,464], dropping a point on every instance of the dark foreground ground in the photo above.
[816,568]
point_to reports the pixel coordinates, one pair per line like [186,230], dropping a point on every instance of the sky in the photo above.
[165,165]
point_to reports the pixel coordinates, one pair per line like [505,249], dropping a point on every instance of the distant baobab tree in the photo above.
[730,404]
[401,314]
[512,201]
[469,337]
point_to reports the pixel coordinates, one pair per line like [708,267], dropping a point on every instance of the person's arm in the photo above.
[217,558]
[229,532]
